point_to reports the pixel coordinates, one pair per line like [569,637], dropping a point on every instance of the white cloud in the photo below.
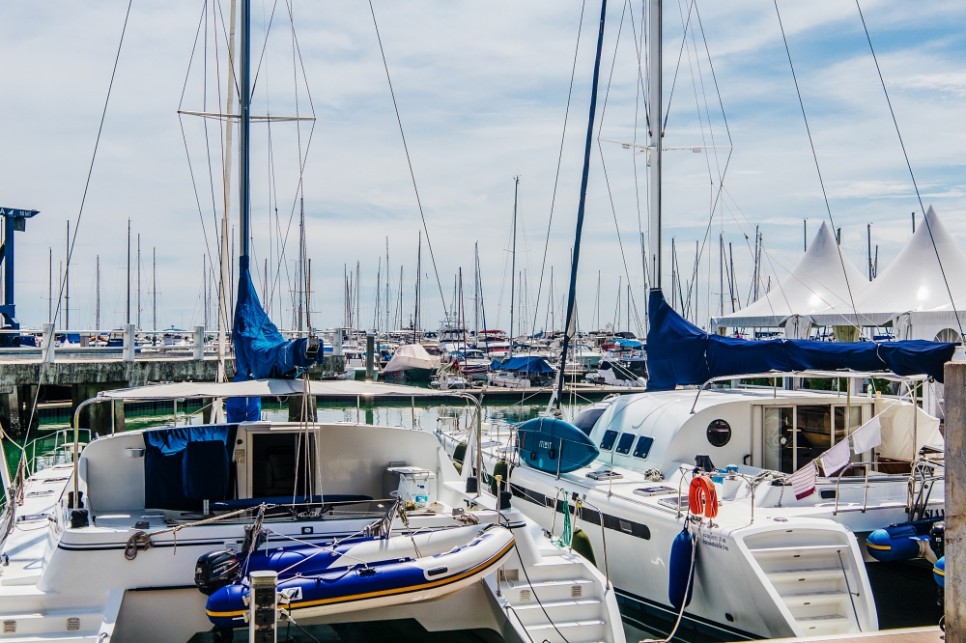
[481,90]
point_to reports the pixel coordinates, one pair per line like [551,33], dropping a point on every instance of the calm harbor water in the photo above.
[905,593]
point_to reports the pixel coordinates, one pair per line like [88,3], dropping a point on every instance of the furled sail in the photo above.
[679,353]
[260,350]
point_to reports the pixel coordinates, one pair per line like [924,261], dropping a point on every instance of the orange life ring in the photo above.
[703,497]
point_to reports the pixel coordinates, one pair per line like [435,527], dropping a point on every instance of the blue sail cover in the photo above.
[679,353]
[529,364]
[260,350]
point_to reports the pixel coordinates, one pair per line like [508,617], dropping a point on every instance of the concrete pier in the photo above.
[23,377]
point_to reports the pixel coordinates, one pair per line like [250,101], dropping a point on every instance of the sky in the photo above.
[483,92]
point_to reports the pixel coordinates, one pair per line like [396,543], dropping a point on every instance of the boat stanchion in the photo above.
[263,607]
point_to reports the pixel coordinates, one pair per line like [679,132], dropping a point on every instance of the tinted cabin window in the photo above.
[608,442]
[643,446]
[624,444]
[586,420]
[719,433]
[274,465]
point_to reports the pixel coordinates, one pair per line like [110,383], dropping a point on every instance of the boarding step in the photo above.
[806,575]
[799,551]
[50,624]
[570,631]
[825,624]
[814,598]
[555,568]
[551,590]
[537,613]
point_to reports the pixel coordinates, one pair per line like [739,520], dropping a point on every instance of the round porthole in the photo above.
[719,433]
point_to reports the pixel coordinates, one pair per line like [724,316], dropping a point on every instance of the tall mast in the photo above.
[656,124]
[139,283]
[244,132]
[513,260]
[476,289]
[154,293]
[127,317]
[97,298]
[66,281]
[387,284]
[225,278]
[572,294]
[50,285]
[419,271]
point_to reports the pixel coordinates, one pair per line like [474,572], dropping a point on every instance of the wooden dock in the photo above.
[910,635]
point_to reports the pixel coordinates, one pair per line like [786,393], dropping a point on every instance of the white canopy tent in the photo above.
[918,293]
[823,278]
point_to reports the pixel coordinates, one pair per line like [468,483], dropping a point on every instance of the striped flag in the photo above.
[803,481]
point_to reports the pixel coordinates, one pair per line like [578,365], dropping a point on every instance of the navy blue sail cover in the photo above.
[260,350]
[529,364]
[679,353]
[184,464]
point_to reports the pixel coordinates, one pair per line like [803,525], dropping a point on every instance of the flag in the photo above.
[803,481]
[836,457]
[868,436]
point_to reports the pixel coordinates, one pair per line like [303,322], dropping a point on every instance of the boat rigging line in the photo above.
[556,176]
[912,175]
[570,322]
[409,160]
[818,169]
[73,239]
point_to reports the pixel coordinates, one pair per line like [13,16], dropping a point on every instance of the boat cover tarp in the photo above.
[409,356]
[170,475]
[260,350]
[528,364]
[679,353]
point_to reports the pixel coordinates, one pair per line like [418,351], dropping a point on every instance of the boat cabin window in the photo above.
[794,436]
[719,433]
[608,442]
[643,446]
[625,442]
[847,419]
[282,464]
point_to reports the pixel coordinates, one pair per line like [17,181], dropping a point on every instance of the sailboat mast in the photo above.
[244,133]
[154,293]
[225,279]
[572,293]
[66,280]
[139,283]
[387,284]
[656,124]
[97,307]
[127,318]
[513,261]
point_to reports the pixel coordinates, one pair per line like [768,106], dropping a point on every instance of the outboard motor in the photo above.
[216,569]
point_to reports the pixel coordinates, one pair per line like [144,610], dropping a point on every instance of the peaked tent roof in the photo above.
[916,280]
[815,284]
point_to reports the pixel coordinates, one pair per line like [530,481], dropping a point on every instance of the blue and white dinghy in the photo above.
[363,573]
